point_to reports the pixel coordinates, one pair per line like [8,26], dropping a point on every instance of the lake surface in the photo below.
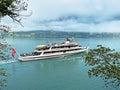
[68,73]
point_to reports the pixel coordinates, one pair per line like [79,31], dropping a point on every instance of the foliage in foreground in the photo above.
[3,76]
[13,8]
[105,63]
[4,47]
[4,55]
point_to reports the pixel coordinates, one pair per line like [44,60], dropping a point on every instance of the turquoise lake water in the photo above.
[68,73]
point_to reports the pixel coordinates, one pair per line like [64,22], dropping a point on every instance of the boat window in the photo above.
[64,46]
[45,48]
[36,53]
[61,51]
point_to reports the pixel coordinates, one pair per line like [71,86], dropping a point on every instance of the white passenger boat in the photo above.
[69,47]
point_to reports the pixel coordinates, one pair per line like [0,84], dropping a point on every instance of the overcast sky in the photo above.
[71,15]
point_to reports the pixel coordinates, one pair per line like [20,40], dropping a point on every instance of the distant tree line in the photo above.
[62,34]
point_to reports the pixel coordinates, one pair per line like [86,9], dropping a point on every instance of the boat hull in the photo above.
[52,55]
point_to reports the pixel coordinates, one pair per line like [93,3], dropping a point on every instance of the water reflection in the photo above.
[68,73]
[55,63]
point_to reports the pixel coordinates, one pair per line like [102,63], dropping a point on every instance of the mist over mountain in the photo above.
[85,19]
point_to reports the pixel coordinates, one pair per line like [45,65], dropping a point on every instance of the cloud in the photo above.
[73,15]
[54,8]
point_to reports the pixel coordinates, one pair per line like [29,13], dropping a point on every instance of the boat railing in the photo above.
[31,54]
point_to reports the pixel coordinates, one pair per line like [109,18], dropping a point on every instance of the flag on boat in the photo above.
[13,52]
